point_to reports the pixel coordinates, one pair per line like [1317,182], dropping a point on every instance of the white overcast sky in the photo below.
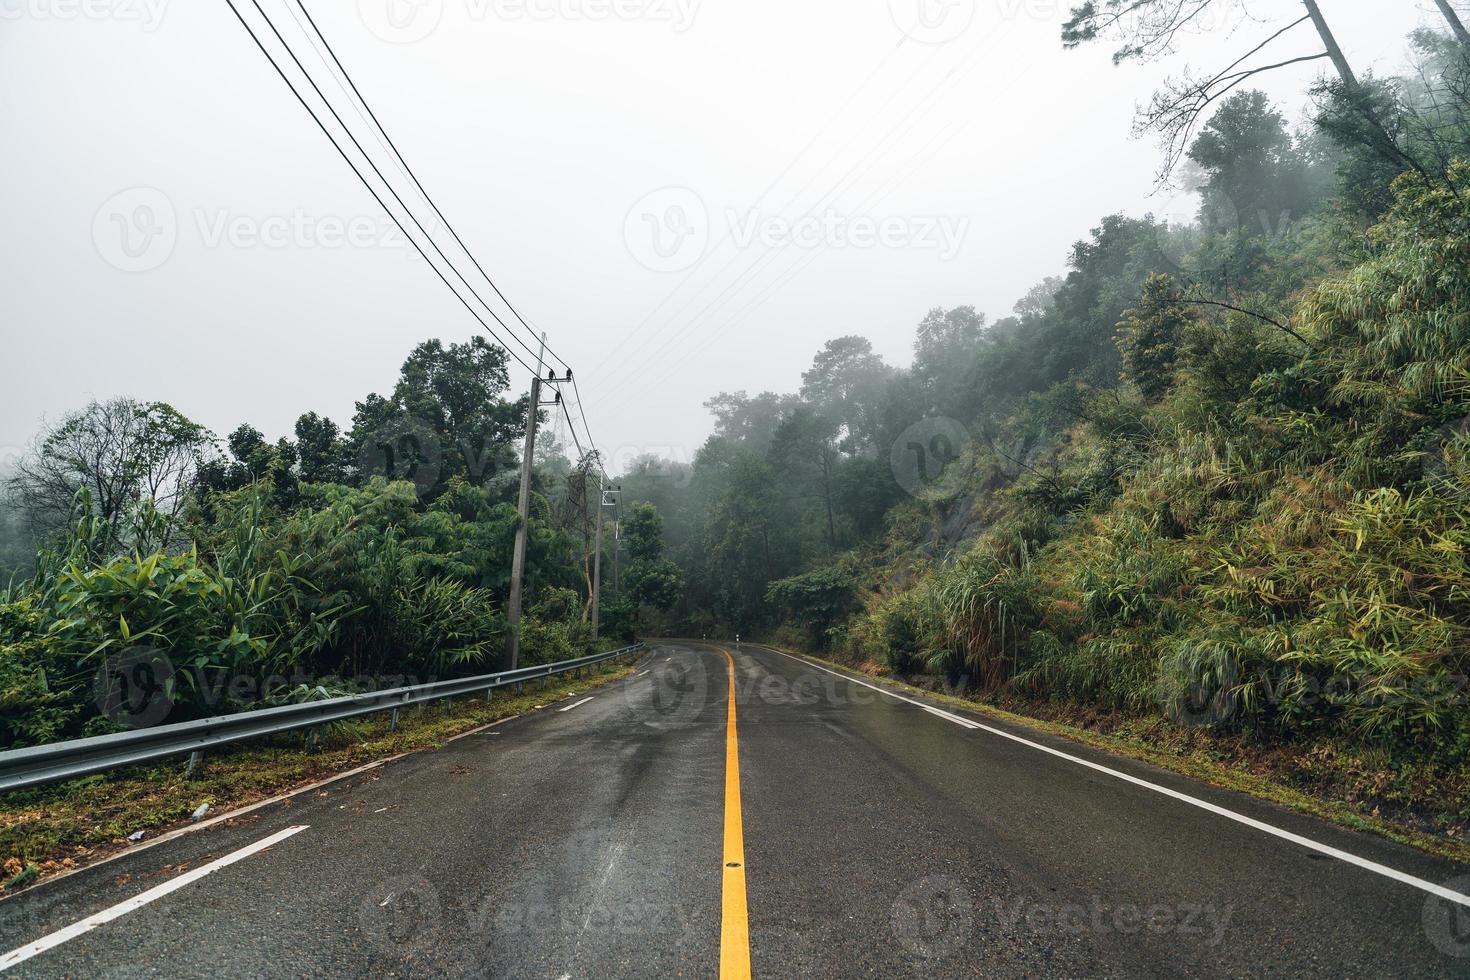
[555,134]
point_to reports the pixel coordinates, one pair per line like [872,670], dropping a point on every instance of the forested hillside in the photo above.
[1217,471]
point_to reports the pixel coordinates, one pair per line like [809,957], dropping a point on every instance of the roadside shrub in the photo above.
[39,697]
[552,629]
[984,607]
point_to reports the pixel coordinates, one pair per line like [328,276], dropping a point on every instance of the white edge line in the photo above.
[571,706]
[242,811]
[187,829]
[23,953]
[1367,865]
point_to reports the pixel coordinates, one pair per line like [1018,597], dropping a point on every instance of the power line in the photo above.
[414,177]
[572,428]
[581,411]
[362,177]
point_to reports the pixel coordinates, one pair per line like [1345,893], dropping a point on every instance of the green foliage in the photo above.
[643,531]
[1151,336]
[817,600]
[553,630]
[985,603]
[35,705]
[905,622]
[265,577]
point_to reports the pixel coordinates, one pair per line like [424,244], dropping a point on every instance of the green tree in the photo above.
[123,453]
[458,391]
[806,450]
[1151,337]
[843,383]
[818,599]
[652,580]
[1150,29]
[447,417]
[1256,180]
[320,449]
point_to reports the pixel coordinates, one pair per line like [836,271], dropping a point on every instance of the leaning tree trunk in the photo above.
[1334,51]
[1356,93]
[1456,25]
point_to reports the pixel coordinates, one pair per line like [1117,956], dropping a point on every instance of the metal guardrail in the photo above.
[40,764]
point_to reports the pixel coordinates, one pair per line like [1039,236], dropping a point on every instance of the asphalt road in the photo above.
[864,835]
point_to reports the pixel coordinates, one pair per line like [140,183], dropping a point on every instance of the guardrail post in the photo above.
[195,758]
[393,721]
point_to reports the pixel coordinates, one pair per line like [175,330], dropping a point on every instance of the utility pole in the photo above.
[617,548]
[523,503]
[602,494]
[597,561]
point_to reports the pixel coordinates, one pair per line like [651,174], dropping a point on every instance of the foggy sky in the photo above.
[952,165]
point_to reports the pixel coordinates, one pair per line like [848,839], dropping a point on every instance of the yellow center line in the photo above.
[734,919]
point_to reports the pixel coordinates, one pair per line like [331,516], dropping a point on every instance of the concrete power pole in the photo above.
[597,562]
[602,501]
[617,547]
[523,503]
